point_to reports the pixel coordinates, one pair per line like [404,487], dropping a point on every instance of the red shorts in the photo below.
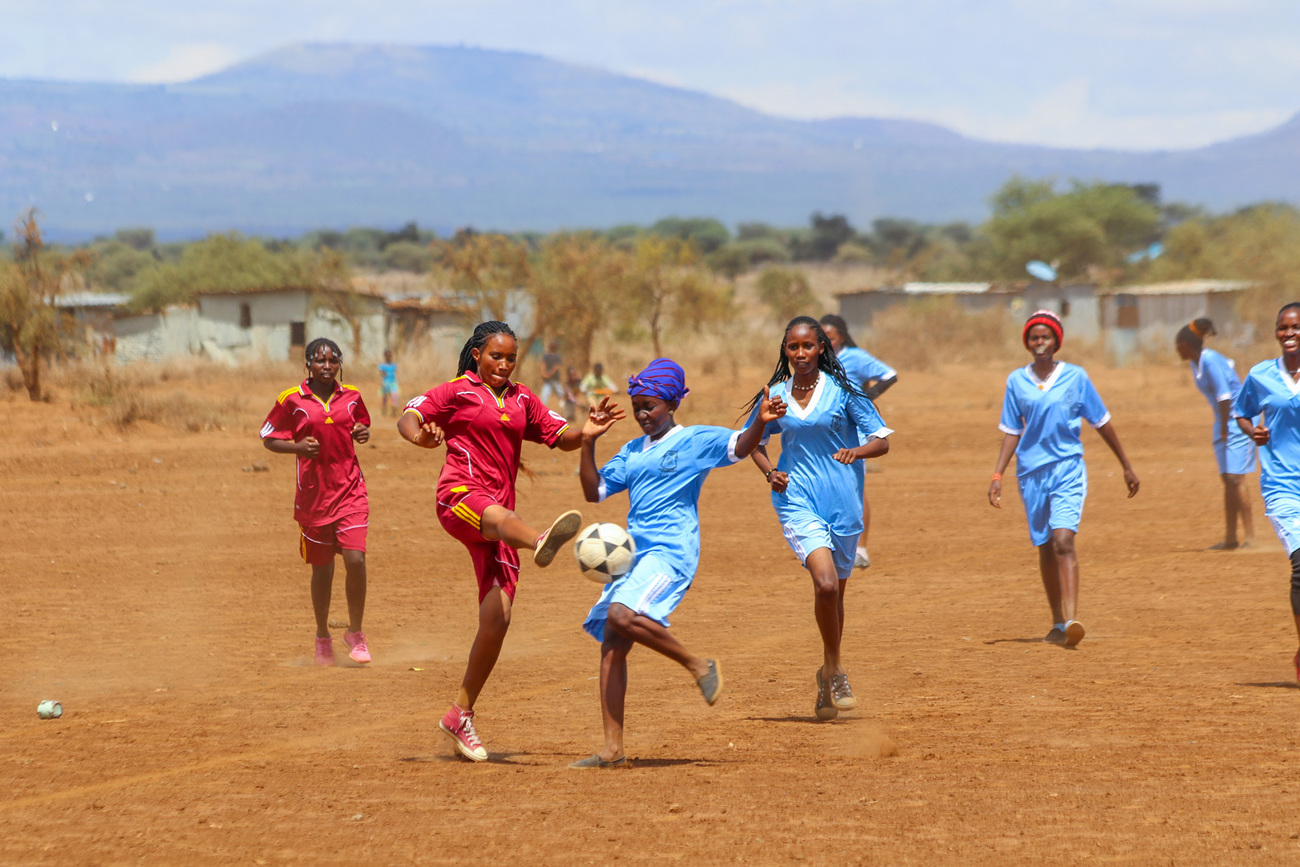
[496,564]
[318,545]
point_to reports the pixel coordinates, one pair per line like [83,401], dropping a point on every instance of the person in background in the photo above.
[388,388]
[596,385]
[572,393]
[552,369]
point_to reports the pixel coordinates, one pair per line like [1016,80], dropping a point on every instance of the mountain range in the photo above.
[312,136]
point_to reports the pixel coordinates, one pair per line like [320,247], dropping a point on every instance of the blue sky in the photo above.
[1082,73]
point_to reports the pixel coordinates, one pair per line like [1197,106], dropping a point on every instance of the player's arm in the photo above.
[1009,443]
[769,409]
[1111,438]
[415,431]
[1245,409]
[879,387]
[599,420]
[873,448]
[309,447]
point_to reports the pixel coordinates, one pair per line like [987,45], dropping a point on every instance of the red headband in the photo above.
[1048,318]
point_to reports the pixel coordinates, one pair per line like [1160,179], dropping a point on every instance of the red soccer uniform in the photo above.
[484,435]
[330,485]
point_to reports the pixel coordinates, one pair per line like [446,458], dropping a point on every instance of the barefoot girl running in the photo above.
[817,485]
[1235,452]
[318,421]
[484,418]
[1273,388]
[1041,413]
[874,377]
[662,473]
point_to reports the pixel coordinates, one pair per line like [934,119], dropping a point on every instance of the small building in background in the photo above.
[1135,318]
[430,322]
[277,323]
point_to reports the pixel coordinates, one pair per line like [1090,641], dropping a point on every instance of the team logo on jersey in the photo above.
[505,416]
[669,462]
[329,419]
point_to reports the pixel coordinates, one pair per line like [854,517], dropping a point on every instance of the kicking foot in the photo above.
[710,684]
[1074,633]
[459,726]
[595,761]
[357,649]
[826,709]
[561,530]
[324,651]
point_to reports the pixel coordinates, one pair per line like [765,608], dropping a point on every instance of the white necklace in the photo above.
[794,387]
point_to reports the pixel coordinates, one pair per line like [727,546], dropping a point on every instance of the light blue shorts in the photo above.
[1053,496]
[653,588]
[806,533]
[1237,455]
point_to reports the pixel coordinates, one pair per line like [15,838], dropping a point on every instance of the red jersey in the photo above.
[485,432]
[330,485]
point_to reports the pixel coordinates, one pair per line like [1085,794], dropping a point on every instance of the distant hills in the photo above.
[341,135]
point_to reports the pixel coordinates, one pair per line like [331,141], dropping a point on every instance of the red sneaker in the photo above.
[356,642]
[459,726]
[325,651]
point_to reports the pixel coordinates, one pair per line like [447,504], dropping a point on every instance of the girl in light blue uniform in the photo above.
[1271,389]
[874,377]
[1042,415]
[829,426]
[662,473]
[1217,380]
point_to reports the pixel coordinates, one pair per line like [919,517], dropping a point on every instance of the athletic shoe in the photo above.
[595,761]
[325,651]
[826,709]
[561,530]
[356,642]
[1056,635]
[711,684]
[1074,633]
[842,694]
[861,560]
[459,726]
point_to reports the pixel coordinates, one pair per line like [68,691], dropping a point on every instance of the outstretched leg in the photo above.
[652,634]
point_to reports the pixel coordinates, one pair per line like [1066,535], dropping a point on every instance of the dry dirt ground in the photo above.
[153,586]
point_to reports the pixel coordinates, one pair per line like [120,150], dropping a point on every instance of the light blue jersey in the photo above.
[862,367]
[1270,390]
[820,485]
[1216,378]
[663,481]
[1047,414]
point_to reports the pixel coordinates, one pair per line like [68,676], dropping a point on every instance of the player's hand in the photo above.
[1131,480]
[309,448]
[770,408]
[601,418]
[1260,434]
[430,436]
[779,481]
[845,456]
[360,433]
[995,493]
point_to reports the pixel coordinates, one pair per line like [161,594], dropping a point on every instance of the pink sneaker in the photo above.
[459,726]
[325,651]
[356,642]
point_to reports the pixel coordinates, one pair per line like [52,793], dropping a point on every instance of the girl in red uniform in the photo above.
[318,421]
[484,418]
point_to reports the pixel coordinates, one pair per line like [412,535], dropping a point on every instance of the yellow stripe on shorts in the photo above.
[464,512]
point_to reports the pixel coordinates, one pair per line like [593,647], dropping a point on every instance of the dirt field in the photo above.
[153,586]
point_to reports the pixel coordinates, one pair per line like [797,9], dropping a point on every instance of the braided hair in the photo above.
[827,363]
[482,332]
[837,322]
[310,352]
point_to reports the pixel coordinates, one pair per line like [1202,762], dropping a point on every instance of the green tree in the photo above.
[488,268]
[31,325]
[578,281]
[786,293]
[705,233]
[667,288]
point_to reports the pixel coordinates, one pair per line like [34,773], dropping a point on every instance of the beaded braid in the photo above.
[482,332]
[310,351]
[826,362]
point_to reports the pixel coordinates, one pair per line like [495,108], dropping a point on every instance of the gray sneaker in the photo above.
[562,529]
[862,560]
[826,709]
[711,684]
[841,693]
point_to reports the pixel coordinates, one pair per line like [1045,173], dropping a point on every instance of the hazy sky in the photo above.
[1115,73]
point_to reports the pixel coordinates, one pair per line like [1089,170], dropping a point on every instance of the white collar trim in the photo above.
[1045,384]
[802,412]
[1286,377]
[647,444]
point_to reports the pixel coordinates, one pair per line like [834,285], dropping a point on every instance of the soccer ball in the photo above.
[605,552]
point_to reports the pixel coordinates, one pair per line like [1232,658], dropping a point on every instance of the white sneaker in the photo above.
[861,560]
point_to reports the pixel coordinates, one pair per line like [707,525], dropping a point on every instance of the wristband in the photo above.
[768,475]
[997,477]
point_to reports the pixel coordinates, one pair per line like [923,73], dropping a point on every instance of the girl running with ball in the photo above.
[662,473]
[484,417]
[1272,388]
[1045,403]
[318,421]
[817,484]
[1216,378]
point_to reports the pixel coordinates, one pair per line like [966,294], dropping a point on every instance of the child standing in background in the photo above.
[388,384]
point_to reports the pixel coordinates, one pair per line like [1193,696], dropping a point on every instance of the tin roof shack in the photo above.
[277,323]
[93,314]
[433,321]
[1146,317]
[859,308]
[1077,304]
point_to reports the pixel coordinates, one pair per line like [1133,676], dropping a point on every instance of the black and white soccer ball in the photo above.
[605,552]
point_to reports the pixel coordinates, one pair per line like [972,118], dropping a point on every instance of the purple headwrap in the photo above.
[663,378]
